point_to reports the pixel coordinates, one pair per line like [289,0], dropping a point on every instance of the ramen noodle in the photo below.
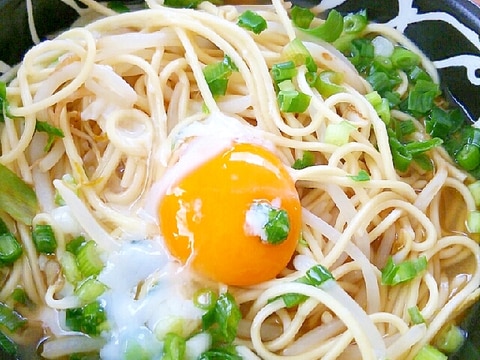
[137,116]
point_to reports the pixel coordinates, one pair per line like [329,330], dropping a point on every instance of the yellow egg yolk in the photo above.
[203,216]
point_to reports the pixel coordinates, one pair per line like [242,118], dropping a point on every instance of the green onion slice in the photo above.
[394,274]
[17,198]
[252,21]
[10,249]
[44,239]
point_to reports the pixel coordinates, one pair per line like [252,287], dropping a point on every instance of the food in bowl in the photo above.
[224,183]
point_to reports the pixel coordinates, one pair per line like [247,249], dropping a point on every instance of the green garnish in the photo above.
[338,134]
[252,21]
[188,4]
[355,23]
[223,353]
[17,198]
[11,319]
[415,315]
[328,83]
[217,75]
[221,321]
[315,276]
[297,52]
[361,176]
[394,274]
[10,249]
[52,132]
[8,345]
[44,239]
[174,347]
[118,6]
[205,299]
[90,319]
[473,222]
[291,100]
[428,352]
[88,259]
[90,289]
[329,31]
[450,339]
[3,101]
[277,222]
[283,71]
[308,159]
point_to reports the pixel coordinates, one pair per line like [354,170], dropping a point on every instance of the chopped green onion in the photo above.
[473,222]
[88,259]
[404,127]
[3,102]
[277,227]
[44,239]
[355,23]
[217,75]
[20,296]
[404,59]
[252,21]
[90,289]
[293,101]
[393,274]
[450,339]
[17,198]
[374,98]
[418,147]
[70,268]
[361,54]
[308,159]
[118,6]
[315,276]
[3,227]
[284,71]
[174,347]
[11,319]
[338,134]
[415,315]
[468,157]
[222,353]
[421,98]
[222,320]
[52,132]
[475,191]
[301,17]
[75,244]
[383,111]
[296,51]
[330,30]
[361,176]
[428,352]
[382,82]
[277,222]
[442,123]
[188,4]
[7,345]
[10,249]
[401,157]
[204,299]
[328,83]
[90,319]
[417,73]
[423,161]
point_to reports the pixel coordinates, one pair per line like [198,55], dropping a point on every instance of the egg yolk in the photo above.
[203,217]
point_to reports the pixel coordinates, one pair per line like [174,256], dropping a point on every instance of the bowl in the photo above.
[445,30]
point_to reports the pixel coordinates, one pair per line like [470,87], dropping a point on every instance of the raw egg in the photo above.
[215,217]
